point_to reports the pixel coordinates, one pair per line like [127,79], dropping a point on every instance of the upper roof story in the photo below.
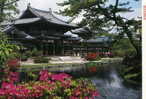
[32,15]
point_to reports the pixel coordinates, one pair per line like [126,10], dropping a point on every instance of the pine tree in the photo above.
[106,16]
[8,9]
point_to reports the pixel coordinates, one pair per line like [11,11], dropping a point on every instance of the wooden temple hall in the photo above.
[42,30]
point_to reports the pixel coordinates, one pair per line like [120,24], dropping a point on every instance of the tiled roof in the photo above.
[99,39]
[40,14]
[48,16]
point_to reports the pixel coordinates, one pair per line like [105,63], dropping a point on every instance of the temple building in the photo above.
[43,30]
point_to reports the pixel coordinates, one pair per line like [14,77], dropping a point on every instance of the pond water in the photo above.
[108,83]
[111,87]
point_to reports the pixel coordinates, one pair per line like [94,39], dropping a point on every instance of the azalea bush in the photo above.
[92,56]
[13,63]
[49,86]
[6,51]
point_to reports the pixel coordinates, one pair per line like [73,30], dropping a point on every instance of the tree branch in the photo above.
[114,12]
[7,4]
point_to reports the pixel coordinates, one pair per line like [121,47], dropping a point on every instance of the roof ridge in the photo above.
[48,13]
[39,10]
[58,18]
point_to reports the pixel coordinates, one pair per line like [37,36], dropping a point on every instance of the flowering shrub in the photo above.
[50,86]
[92,56]
[44,75]
[13,76]
[13,63]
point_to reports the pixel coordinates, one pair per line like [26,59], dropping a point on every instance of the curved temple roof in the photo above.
[37,15]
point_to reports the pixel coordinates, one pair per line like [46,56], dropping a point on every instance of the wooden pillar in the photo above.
[54,47]
[63,47]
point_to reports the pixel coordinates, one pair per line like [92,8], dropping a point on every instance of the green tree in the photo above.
[6,49]
[8,8]
[106,16]
[7,11]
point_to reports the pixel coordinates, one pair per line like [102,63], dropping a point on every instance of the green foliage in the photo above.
[6,49]
[41,60]
[36,52]
[32,76]
[24,58]
[132,74]
[98,58]
[27,53]
[8,8]
[102,15]
[123,48]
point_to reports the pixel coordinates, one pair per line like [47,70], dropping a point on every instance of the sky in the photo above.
[41,4]
[46,4]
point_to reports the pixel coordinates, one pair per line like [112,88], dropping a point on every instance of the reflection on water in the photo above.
[111,87]
[115,81]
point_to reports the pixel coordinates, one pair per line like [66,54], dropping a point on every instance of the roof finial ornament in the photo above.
[50,10]
[28,5]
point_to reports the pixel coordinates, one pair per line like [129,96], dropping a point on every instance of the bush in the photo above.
[24,58]
[119,53]
[92,56]
[13,63]
[6,49]
[98,58]
[36,53]
[122,53]
[50,86]
[27,54]
[41,60]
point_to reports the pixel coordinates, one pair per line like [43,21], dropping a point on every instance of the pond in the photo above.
[108,83]
[112,87]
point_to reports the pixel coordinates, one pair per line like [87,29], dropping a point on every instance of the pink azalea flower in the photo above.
[95,93]
[2,92]
[8,85]
[14,76]
[44,75]
[86,97]
[60,77]
[72,97]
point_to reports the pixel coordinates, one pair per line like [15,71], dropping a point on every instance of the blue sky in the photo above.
[136,4]
[46,4]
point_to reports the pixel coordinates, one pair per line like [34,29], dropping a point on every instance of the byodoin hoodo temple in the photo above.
[44,31]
